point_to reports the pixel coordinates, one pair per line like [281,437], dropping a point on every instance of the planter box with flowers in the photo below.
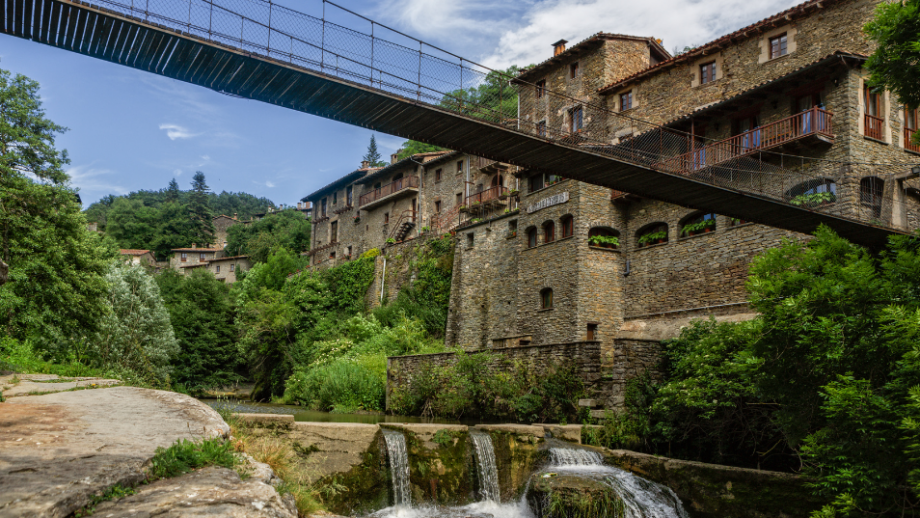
[653,238]
[815,199]
[699,227]
[611,242]
[464,208]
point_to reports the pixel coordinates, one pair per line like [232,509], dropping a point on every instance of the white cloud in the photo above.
[174,131]
[90,180]
[269,184]
[177,172]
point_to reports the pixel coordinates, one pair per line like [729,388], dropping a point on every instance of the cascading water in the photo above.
[641,498]
[399,467]
[487,469]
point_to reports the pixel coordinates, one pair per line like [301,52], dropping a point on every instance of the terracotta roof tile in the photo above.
[204,250]
[594,38]
[132,251]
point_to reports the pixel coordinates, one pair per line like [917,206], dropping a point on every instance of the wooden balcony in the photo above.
[487,199]
[388,192]
[815,123]
[874,127]
[908,142]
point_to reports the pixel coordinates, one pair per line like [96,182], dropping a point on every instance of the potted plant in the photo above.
[357,218]
[475,220]
[514,192]
[511,234]
[814,199]
[737,221]
[698,227]
[464,208]
[503,196]
[425,229]
[612,242]
[391,241]
[653,238]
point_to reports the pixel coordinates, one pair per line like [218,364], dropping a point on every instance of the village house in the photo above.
[544,260]
[222,225]
[138,257]
[226,268]
[182,258]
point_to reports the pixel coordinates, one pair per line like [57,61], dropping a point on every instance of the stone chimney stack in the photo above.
[235,215]
[365,164]
[559,47]
[393,159]
[194,246]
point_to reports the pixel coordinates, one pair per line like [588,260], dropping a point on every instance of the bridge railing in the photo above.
[333,40]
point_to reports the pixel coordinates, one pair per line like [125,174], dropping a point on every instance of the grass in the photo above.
[292,466]
[113,493]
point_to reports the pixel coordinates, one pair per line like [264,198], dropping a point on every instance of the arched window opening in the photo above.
[604,237]
[697,224]
[568,226]
[813,193]
[652,234]
[870,195]
[546,299]
[549,232]
[531,237]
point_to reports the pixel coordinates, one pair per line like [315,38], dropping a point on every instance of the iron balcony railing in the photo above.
[874,126]
[490,194]
[815,121]
[388,189]
[908,140]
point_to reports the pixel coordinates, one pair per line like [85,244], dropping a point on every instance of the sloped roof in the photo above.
[754,29]
[206,250]
[133,251]
[416,158]
[228,258]
[341,182]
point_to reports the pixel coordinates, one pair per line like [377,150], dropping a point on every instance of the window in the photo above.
[707,72]
[576,119]
[348,253]
[437,175]
[232,267]
[573,70]
[386,218]
[459,166]
[201,258]
[813,193]
[469,240]
[459,199]
[870,195]
[604,237]
[779,46]
[183,257]
[541,88]
[911,120]
[875,116]
[568,226]
[536,182]
[626,101]
[549,232]
[217,269]
[531,237]
[437,207]
[349,194]
[652,234]
[334,232]
[697,224]
[512,228]
[592,332]
[323,208]
[541,128]
[332,256]
[546,299]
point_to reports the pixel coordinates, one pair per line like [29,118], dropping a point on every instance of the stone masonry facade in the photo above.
[527,272]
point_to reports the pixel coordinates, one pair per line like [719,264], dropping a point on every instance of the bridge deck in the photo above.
[129,41]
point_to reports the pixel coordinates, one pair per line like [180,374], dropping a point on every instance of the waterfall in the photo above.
[487,469]
[642,498]
[399,467]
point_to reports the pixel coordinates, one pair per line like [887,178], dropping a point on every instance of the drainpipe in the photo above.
[383,281]
[626,273]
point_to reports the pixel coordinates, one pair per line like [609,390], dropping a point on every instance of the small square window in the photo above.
[577,119]
[459,199]
[184,257]
[469,240]
[386,218]
[201,258]
[541,128]
[460,167]
[779,46]
[707,73]
[626,101]
[592,332]
[437,175]
[541,88]
[232,267]
[437,207]
[573,70]
[217,269]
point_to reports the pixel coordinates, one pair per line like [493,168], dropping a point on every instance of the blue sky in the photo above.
[133,130]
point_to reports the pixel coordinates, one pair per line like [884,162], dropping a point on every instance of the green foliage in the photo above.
[201,312]
[55,290]
[493,99]
[813,199]
[21,356]
[285,229]
[893,65]
[699,226]
[113,493]
[414,147]
[340,386]
[651,237]
[469,388]
[135,337]
[185,456]
[608,241]
[373,156]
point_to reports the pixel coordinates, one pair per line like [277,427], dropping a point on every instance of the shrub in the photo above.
[185,455]
[340,386]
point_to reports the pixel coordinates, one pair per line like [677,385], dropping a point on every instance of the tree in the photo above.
[286,229]
[172,191]
[202,318]
[135,336]
[412,147]
[894,64]
[373,156]
[56,286]
[200,211]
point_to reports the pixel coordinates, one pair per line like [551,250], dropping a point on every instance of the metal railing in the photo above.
[908,140]
[812,122]
[874,127]
[406,216]
[492,194]
[388,189]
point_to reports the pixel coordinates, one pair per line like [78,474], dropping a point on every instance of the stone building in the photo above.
[138,257]
[226,268]
[194,256]
[222,225]
[544,260]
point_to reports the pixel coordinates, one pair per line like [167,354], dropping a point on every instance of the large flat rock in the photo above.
[57,449]
[14,385]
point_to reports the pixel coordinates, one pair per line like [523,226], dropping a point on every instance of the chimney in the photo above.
[194,246]
[365,164]
[559,47]
[235,215]
[393,157]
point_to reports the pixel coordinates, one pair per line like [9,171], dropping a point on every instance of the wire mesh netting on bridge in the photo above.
[338,42]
